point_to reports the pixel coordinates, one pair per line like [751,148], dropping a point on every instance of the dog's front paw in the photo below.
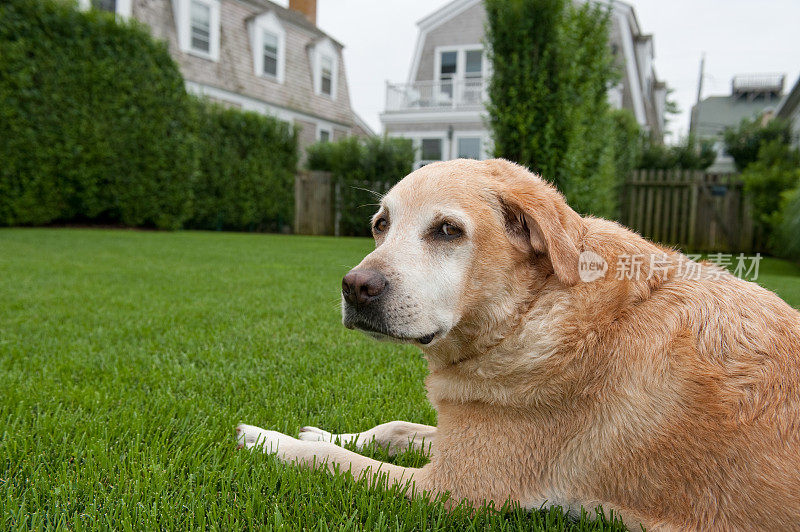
[268,441]
[315,434]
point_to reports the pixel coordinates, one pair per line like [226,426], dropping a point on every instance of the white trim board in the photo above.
[428,117]
[265,108]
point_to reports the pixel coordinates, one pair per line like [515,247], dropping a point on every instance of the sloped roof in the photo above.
[713,114]
[293,17]
[790,102]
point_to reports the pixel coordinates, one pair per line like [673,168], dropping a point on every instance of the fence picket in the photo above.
[689,209]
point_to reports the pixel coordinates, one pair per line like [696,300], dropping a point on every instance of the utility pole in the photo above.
[692,117]
[702,75]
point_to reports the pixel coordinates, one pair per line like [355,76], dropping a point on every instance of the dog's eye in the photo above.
[381,225]
[448,231]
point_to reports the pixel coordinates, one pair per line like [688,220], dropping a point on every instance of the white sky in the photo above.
[737,36]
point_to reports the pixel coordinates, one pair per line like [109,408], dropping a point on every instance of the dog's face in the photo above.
[454,241]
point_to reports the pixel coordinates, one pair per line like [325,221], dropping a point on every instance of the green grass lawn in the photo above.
[127,358]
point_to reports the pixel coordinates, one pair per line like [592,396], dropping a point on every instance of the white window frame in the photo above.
[459,78]
[416,142]
[269,23]
[461,61]
[325,48]
[461,136]
[182,11]
[327,129]
[449,147]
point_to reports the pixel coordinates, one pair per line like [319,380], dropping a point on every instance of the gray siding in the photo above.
[234,71]
[464,28]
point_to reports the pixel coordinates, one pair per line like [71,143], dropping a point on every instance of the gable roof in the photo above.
[293,17]
[790,102]
[445,13]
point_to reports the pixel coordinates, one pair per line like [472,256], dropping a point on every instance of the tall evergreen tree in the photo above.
[552,67]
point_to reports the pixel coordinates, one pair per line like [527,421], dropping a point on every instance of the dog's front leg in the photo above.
[395,436]
[325,454]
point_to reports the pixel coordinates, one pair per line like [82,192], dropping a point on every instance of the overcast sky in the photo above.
[737,36]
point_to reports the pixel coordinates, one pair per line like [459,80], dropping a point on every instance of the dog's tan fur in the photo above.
[674,402]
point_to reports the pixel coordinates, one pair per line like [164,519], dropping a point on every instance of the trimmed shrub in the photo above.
[688,155]
[246,171]
[362,170]
[789,227]
[744,142]
[775,171]
[770,169]
[94,122]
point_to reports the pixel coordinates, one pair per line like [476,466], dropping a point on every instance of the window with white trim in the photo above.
[324,134]
[327,75]
[326,68]
[268,39]
[447,72]
[431,150]
[469,148]
[270,51]
[198,27]
[460,73]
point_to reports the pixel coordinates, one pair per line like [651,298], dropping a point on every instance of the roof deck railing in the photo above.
[758,83]
[436,95]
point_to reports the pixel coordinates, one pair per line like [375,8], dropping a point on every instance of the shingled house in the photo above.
[441,106]
[257,56]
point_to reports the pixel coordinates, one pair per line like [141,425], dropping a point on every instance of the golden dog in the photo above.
[669,394]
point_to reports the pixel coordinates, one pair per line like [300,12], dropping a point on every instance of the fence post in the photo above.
[298,205]
[695,193]
[337,206]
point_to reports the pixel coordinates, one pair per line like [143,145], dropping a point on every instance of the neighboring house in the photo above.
[257,56]
[789,109]
[441,106]
[751,95]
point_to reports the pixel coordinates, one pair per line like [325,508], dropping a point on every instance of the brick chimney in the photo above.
[308,8]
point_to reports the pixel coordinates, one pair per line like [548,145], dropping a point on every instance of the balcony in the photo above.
[441,95]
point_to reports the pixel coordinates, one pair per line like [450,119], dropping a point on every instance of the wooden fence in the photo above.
[690,209]
[320,202]
[313,204]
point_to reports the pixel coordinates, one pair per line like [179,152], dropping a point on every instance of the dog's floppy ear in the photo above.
[535,211]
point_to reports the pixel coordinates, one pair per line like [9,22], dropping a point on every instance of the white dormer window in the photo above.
[327,75]
[198,27]
[268,40]
[270,51]
[326,68]
[323,134]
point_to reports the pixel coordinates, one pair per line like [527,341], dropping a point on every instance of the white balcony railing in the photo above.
[433,95]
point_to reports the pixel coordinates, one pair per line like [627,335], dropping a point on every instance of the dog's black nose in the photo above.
[361,287]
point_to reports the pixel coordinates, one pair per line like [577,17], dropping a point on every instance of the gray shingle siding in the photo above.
[234,71]
[465,28]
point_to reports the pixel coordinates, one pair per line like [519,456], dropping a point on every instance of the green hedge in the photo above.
[789,225]
[93,122]
[362,170]
[96,127]
[246,171]
[548,107]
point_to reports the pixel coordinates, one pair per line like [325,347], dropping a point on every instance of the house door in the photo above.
[460,76]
